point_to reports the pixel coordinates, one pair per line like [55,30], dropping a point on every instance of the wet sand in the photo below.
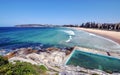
[113,35]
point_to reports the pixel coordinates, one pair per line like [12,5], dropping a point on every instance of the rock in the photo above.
[69,48]
[27,51]
[53,49]
[68,52]
[12,54]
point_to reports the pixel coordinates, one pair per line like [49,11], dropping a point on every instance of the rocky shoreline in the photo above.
[53,58]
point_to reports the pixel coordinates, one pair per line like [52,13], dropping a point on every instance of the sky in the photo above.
[13,12]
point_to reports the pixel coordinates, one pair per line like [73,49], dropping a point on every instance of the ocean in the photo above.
[15,37]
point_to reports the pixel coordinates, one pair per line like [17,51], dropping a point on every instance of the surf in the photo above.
[70,33]
[70,38]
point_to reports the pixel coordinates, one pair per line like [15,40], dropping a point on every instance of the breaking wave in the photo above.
[70,33]
[91,34]
[70,38]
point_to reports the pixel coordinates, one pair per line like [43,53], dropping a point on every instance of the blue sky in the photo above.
[14,12]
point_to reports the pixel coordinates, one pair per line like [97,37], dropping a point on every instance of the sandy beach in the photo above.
[113,35]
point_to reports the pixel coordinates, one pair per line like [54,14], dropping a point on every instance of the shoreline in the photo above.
[112,35]
[54,60]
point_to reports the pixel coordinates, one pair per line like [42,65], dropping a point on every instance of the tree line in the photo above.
[104,26]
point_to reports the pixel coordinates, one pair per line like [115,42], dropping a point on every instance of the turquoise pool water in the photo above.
[94,61]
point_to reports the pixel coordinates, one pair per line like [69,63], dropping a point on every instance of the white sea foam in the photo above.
[70,38]
[69,32]
[104,38]
[109,40]
[92,34]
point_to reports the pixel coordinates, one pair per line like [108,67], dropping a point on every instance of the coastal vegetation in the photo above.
[20,68]
[3,61]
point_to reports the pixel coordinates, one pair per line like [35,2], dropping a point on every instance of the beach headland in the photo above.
[113,35]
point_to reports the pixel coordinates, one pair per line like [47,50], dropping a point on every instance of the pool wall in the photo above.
[100,56]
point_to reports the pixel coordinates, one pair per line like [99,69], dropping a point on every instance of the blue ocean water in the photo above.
[15,37]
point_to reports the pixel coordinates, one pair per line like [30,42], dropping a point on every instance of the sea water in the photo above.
[94,61]
[16,37]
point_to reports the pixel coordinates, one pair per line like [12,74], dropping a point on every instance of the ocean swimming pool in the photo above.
[93,61]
